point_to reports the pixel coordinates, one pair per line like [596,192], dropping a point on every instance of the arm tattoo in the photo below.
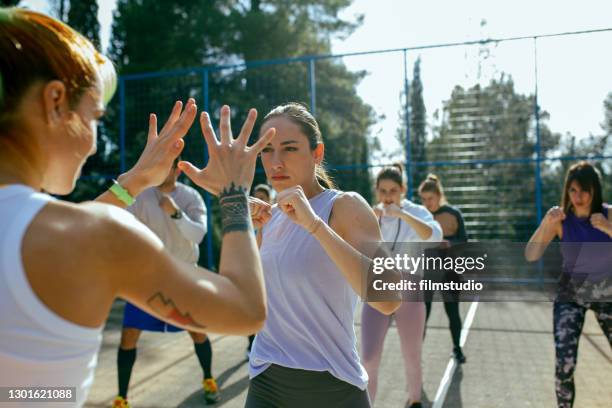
[166,307]
[234,209]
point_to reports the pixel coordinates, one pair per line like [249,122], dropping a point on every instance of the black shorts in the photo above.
[282,387]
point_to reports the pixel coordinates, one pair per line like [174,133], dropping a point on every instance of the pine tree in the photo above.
[83,17]
[418,123]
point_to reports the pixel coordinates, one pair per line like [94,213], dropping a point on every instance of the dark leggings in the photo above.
[568,319]
[282,387]
[452,311]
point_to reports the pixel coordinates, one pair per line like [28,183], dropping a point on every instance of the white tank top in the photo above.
[37,347]
[311,306]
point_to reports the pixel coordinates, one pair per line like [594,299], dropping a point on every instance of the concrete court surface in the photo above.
[509,348]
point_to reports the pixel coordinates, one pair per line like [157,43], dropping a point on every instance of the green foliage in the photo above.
[149,36]
[83,17]
[491,123]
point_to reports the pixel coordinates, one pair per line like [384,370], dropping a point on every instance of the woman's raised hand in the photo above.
[230,160]
[162,148]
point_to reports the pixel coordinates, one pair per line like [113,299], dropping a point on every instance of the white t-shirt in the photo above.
[180,236]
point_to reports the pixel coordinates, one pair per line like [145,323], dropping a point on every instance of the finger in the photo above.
[225,126]
[247,127]
[152,135]
[263,141]
[265,217]
[189,169]
[182,125]
[174,115]
[209,133]
[177,148]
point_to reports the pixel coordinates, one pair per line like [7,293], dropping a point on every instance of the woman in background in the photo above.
[401,221]
[453,228]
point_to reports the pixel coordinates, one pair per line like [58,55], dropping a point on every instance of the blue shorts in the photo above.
[135,318]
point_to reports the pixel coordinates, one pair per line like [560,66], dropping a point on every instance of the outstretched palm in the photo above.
[163,148]
[230,160]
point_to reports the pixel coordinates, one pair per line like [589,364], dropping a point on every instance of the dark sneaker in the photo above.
[458,354]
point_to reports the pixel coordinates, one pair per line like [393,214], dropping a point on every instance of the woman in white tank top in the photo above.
[61,264]
[314,245]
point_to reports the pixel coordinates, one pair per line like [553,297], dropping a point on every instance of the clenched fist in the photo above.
[601,223]
[554,216]
[261,212]
[294,203]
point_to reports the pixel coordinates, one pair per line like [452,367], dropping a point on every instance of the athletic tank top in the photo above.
[37,347]
[585,249]
[460,236]
[311,306]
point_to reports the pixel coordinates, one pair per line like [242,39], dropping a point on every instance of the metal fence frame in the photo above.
[409,165]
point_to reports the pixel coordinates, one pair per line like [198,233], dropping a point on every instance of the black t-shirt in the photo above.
[461,235]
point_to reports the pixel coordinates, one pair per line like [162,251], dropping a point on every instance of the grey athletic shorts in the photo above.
[282,387]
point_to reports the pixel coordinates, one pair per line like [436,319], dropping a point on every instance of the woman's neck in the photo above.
[15,171]
[312,189]
[581,212]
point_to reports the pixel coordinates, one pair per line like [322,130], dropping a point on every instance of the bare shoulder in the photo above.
[75,257]
[351,200]
[352,210]
[88,234]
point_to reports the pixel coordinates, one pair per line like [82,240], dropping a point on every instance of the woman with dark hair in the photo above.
[401,221]
[581,218]
[453,228]
[263,192]
[313,249]
[63,264]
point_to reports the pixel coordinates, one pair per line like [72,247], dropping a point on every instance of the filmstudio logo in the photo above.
[424,263]
[412,265]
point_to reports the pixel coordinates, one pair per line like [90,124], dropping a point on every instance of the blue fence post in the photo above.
[408,148]
[312,79]
[207,199]
[121,125]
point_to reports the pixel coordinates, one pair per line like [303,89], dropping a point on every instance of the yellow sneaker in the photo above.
[211,391]
[121,402]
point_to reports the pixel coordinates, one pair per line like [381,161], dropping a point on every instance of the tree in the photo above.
[148,35]
[481,126]
[83,17]
[9,3]
[418,122]
[60,7]
[590,146]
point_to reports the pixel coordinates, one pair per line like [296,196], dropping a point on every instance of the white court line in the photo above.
[452,364]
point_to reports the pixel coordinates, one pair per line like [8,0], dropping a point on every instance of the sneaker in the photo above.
[458,354]
[415,405]
[211,392]
[121,402]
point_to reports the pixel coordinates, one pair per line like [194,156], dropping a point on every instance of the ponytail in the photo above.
[323,178]
[432,184]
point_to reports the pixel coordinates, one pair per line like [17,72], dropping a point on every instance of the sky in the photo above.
[574,73]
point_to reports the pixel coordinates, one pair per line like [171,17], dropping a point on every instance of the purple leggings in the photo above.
[410,320]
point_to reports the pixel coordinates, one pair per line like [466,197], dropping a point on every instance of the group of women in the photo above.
[296,283]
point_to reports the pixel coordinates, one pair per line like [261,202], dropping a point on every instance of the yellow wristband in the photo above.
[121,193]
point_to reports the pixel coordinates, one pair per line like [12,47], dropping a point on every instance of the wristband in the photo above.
[121,193]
